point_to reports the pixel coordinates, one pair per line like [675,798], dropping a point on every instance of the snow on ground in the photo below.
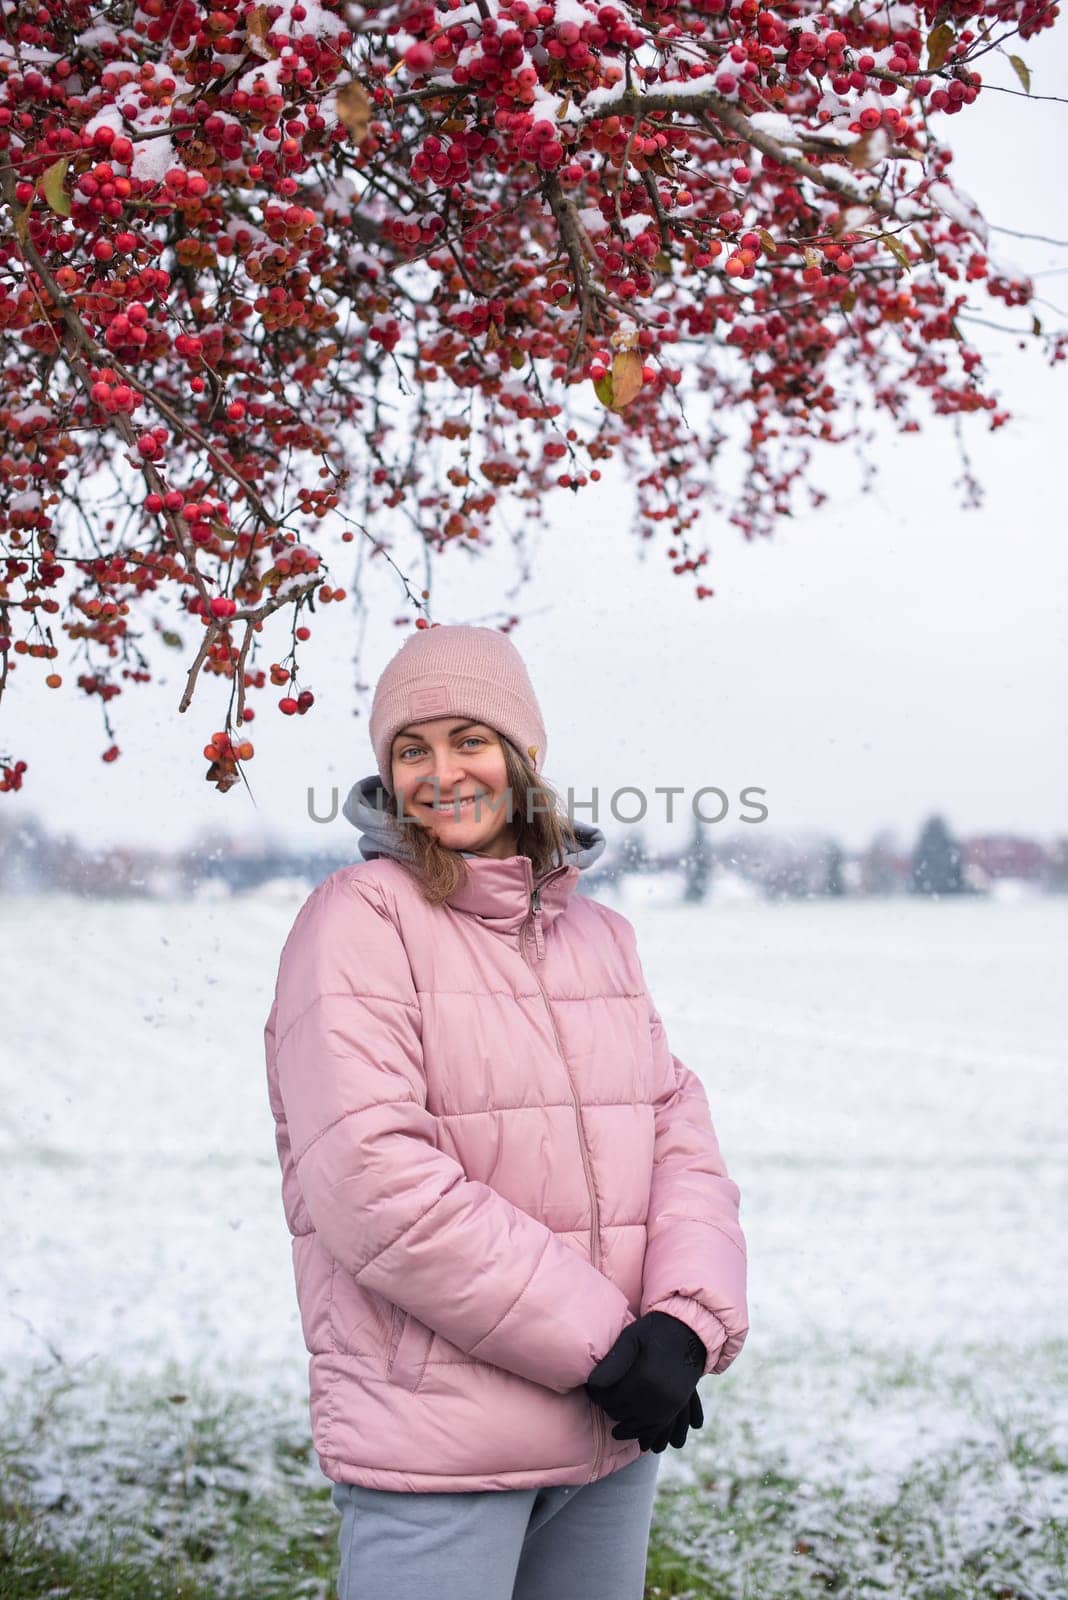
[886,1078]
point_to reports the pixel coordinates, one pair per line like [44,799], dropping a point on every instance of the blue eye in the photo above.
[472,738]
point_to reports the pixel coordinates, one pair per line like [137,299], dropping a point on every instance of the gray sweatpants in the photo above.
[566,1542]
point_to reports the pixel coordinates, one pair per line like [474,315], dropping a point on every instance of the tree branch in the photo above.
[579,249]
[632,104]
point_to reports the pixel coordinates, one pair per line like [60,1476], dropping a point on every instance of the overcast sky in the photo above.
[888,655]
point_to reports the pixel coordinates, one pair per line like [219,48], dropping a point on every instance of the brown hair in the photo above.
[544,838]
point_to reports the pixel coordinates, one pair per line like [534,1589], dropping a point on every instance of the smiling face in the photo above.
[438,765]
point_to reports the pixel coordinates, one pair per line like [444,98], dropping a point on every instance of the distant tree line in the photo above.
[776,867]
[790,867]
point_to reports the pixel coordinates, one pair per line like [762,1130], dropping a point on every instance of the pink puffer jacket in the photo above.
[491,1163]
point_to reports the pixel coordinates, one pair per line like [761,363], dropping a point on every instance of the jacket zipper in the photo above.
[595,1223]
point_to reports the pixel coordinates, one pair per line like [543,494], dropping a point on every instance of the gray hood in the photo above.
[365,809]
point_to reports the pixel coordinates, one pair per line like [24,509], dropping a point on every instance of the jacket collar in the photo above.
[498,890]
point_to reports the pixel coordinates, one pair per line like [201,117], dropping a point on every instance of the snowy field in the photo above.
[887,1079]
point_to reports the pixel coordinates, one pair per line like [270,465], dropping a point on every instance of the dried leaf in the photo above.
[662,261]
[767,241]
[51,187]
[812,257]
[869,149]
[926,248]
[659,164]
[22,221]
[1036,326]
[939,41]
[257,27]
[602,388]
[516,359]
[897,250]
[1020,67]
[354,110]
[171,639]
[223,774]
[626,378]
[493,336]
[848,300]
[857,152]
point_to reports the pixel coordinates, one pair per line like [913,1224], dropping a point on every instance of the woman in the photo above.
[511,1221]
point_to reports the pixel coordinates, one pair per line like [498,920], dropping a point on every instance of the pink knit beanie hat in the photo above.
[456,670]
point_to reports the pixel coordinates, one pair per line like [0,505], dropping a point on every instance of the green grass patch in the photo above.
[154,1489]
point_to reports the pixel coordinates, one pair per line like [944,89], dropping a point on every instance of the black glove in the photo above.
[691,1416]
[648,1376]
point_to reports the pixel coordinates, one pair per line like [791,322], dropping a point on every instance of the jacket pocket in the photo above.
[409,1347]
[359,1319]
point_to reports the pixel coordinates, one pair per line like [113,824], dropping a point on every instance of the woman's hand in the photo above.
[646,1380]
[691,1416]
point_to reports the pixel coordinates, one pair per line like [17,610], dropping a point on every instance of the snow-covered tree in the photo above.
[280,279]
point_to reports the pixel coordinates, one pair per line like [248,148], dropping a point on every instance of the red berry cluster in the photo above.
[12,775]
[303,702]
